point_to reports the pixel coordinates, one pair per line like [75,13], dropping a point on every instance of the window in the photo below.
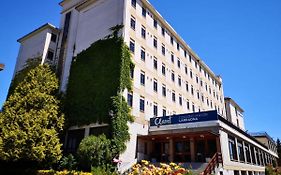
[164,111]
[142,78]
[155,85]
[163,50]
[197,79]
[253,155]
[207,101]
[143,12]
[178,46]
[202,98]
[134,3]
[130,99]
[50,55]
[142,104]
[155,23]
[211,104]
[179,63]
[179,80]
[247,151]
[132,46]
[164,90]
[163,31]
[190,58]
[172,40]
[54,38]
[155,110]
[133,23]
[163,69]
[186,86]
[201,83]
[195,62]
[143,32]
[232,148]
[187,104]
[185,53]
[172,57]
[190,74]
[131,71]
[185,69]
[193,107]
[240,151]
[173,96]
[192,90]
[173,76]
[155,42]
[180,100]
[155,63]
[142,54]
[198,95]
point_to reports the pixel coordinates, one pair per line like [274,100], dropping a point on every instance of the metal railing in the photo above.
[214,163]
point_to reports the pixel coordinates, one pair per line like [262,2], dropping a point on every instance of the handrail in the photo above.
[215,161]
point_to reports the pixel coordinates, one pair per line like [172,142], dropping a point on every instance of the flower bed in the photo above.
[65,172]
[146,168]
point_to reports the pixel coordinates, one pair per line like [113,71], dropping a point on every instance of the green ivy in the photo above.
[98,77]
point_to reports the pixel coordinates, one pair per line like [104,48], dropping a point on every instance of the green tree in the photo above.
[279,151]
[31,119]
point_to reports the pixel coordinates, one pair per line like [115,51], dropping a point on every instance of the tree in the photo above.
[31,119]
[279,151]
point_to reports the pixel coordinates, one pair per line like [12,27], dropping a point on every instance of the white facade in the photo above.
[175,80]
[38,43]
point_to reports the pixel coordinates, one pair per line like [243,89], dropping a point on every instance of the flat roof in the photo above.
[41,28]
[262,134]
[233,102]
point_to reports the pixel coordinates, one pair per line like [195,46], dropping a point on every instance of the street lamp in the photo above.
[2,67]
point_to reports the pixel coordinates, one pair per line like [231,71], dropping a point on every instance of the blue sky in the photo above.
[239,40]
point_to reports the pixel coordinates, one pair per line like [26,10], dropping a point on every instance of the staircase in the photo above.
[213,164]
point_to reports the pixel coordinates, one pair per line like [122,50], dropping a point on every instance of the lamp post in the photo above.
[2,67]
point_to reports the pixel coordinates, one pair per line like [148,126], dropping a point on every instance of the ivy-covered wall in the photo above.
[97,75]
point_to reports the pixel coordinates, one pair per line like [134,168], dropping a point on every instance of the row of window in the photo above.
[163,50]
[247,153]
[189,106]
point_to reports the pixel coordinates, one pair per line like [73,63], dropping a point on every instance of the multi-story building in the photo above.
[178,102]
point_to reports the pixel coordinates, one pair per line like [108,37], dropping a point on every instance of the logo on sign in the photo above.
[161,121]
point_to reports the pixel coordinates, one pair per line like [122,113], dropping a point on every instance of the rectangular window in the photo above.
[54,38]
[164,111]
[193,107]
[50,55]
[202,98]
[172,40]
[180,100]
[155,23]
[179,80]
[186,86]
[155,63]
[253,155]
[198,95]
[186,70]
[173,76]
[155,85]
[172,57]
[185,53]
[178,46]
[155,110]
[155,42]
[142,78]
[143,32]
[142,54]
[143,12]
[163,50]
[187,104]
[190,58]
[163,69]
[197,79]
[142,108]
[163,31]
[164,90]
[130,99]
[241,151]
[192,90]
[179,63]
[133,23]
[173,96]
[247,151]
[134,3]
[232,148]
[131,71]
[191,75]
[132,46]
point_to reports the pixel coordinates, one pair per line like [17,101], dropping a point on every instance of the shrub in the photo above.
[65,172]
[68,163]
[94,151]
